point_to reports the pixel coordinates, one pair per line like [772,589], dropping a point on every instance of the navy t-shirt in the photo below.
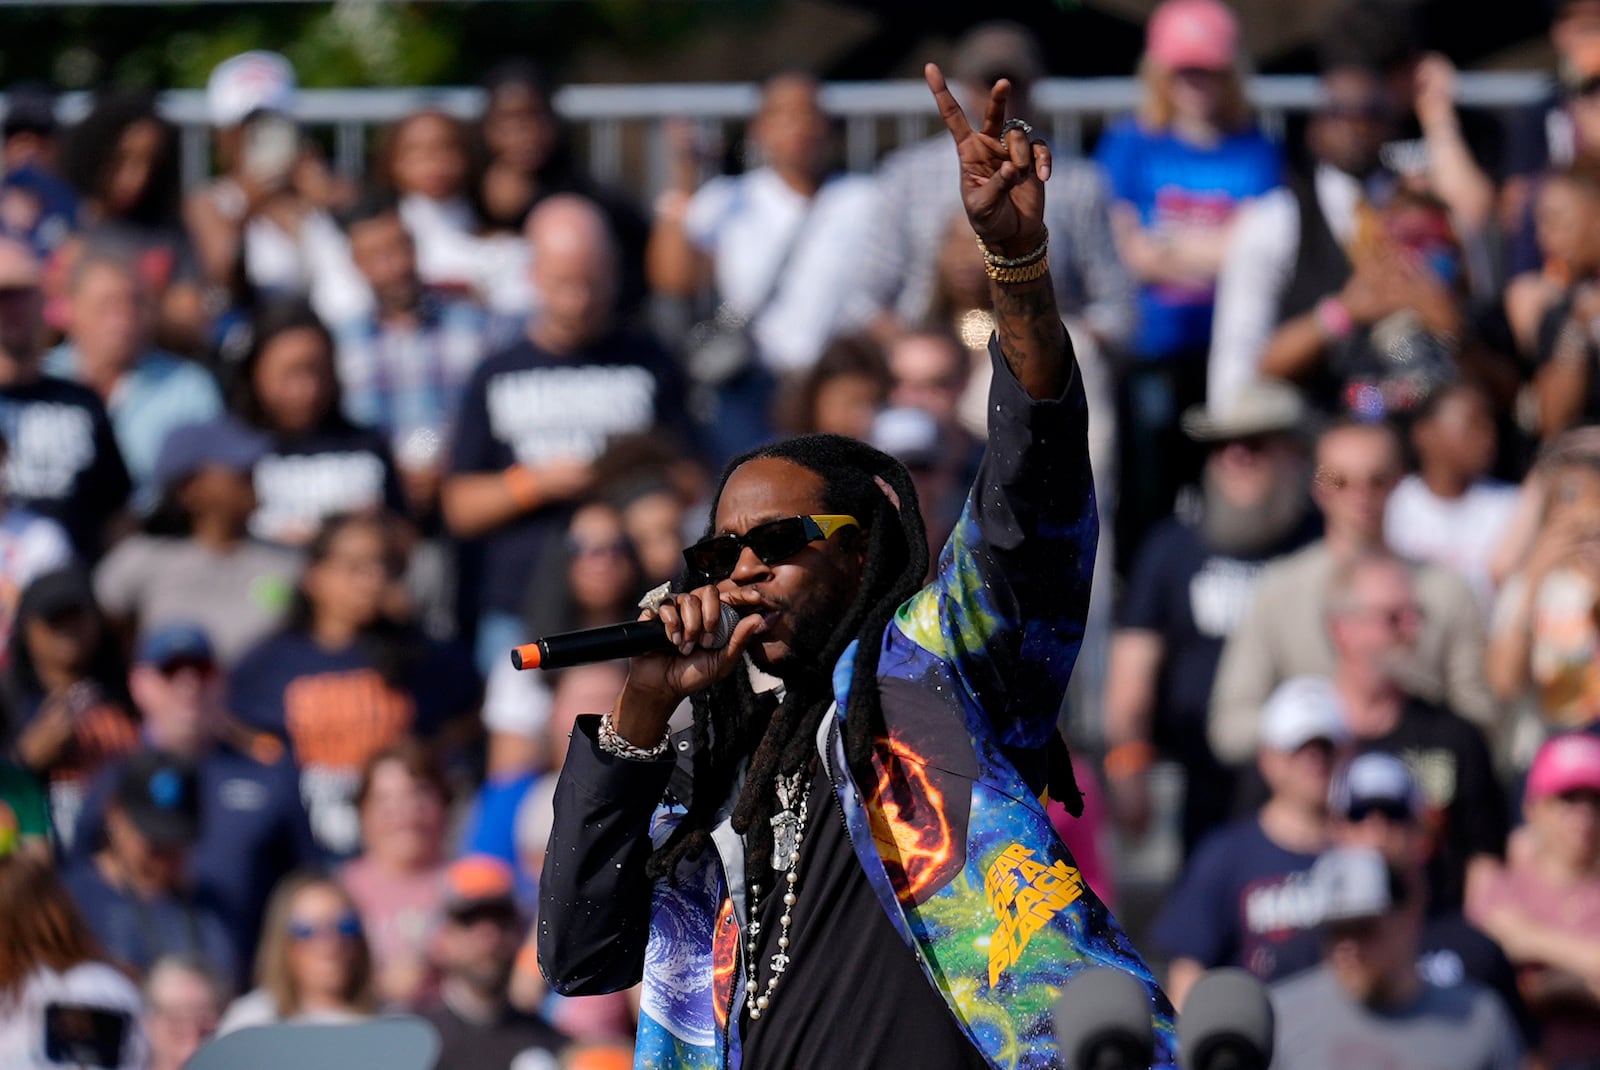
[253,831]
[1243,901]
[335,710]
[63,460]
[1193,598]
[139,932]
[528,406]
[305,479]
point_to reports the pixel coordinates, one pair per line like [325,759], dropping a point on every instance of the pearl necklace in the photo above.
[788,832]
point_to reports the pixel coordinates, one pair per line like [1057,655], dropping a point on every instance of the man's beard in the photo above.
[1243,530]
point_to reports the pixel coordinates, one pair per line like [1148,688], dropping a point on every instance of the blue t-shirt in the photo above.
[335,710]
[491,828]
[1243,901]
[253,831]
[1174,184]
[138,932]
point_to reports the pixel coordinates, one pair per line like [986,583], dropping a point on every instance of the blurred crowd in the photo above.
[292,462]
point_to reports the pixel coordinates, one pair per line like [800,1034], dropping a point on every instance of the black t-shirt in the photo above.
[853,994]
[63,460]
[527,406]
[1468,813]
[305,479]
[1193,598]
[465,1045]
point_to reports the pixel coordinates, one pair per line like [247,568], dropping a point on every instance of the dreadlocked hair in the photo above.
[732,722]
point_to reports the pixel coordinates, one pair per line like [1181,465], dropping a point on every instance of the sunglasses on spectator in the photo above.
[586,548]
[498,913]
[346,927]
[1394,811]
[1354,109]
[172,668]
[1339,481]
[1393,616]
[772,542]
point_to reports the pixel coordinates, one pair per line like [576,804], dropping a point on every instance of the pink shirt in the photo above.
[397,913]
[1568,1033]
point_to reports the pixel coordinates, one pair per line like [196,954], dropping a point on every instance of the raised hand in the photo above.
[1002,175]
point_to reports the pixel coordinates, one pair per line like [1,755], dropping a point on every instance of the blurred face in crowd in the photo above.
[1566,829]
[1576,24]
[182,1010]
[1458,435]
[1246,471]
[1375,624]
[21,302]
[1198,94]
[181,701]
[791,128]
[1374,959]
[961,277]
[1357,469]
[64,643]
[293,379]
[479,945]
[1574,498]
[929,373]
[654,522]
[1424,236]
[387,258]
[1388,828]
[132,165]
[428,157]
[519,128]
[218,492]
[323,930]
[349,586]
[1567,222]
[144,865]
[580,690]
[1300,777]
[1353,122]
[574,272]
[110,315]
[846,405]
[402,818]
[600,572]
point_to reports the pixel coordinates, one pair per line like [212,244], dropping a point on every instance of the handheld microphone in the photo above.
[630,639]
[1227,1023]
[1103,1021]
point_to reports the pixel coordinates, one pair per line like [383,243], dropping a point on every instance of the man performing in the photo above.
[856,869]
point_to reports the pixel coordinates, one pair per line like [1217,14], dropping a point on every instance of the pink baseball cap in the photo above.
[1566,763]
[1192,33]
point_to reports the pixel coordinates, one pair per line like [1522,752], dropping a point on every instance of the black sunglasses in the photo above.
[775,541]
[1394,811]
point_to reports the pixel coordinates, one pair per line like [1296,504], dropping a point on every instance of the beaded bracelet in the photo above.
[1035,270]
[991,259]
[610,742]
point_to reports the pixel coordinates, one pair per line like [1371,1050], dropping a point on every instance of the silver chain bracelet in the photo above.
[614,744]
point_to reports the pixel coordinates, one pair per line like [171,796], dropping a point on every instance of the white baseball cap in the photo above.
[1351,883]
[1301,709]
[249,82]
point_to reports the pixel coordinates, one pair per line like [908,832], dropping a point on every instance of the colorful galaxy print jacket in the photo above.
[953,840]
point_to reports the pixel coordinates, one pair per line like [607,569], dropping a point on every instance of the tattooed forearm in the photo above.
[1032,338]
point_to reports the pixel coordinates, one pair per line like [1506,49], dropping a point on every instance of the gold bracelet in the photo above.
[1035,270]
[993,259]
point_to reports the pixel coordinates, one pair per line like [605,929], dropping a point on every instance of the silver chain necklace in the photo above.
[788,832]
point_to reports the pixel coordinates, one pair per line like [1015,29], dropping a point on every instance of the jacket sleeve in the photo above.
[594,897]
[1008,601]
[1246,675]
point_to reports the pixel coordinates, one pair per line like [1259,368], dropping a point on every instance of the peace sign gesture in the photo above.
[1002,171]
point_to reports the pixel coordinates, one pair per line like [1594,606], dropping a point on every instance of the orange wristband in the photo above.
[523,485]
[1128,759]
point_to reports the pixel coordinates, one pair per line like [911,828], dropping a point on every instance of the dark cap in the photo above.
[176,642]
[161,796]
[30,109]
[56,594]
[994,50]
[223,443]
